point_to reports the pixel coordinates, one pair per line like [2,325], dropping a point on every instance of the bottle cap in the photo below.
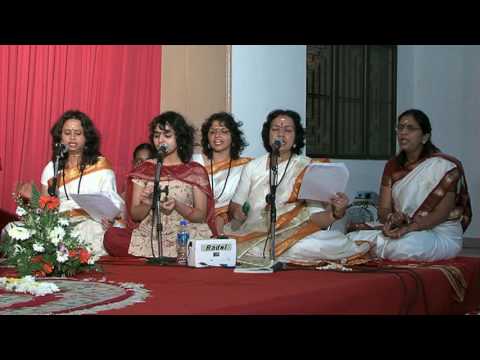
[183,222]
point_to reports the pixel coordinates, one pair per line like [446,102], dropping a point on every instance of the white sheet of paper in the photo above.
[322,180]
[99,205]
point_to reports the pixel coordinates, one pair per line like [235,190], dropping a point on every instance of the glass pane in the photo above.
[381,101]
[319,100]
[349,124]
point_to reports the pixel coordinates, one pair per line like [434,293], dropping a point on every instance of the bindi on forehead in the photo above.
[283,122]
[72,128]
[72,124]
[408,121]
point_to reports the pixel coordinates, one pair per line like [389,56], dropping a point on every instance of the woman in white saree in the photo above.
[299,235]
[424,203]
[222,144]
[82,170]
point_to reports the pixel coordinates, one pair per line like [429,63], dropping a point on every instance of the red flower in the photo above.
[51,202]
[84,256]
[39,273]
[47,268]
[73,253]
[37,259]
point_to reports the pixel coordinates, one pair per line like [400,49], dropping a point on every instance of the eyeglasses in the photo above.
[408,128]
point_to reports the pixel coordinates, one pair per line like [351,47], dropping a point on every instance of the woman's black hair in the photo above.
[91,150]
[183,132]
[424,122]
[299,142]
[144,146]
[227,120]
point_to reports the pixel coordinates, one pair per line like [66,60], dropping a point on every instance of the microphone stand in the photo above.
[52,189]
[157,191]
[271,200]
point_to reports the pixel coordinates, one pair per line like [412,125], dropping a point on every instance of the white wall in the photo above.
[443,81]
[265,78]
[270,77]
[446,86]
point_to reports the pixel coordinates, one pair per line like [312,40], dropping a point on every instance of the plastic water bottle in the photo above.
[182,240]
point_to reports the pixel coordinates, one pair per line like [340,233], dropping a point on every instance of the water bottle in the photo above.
[182,239]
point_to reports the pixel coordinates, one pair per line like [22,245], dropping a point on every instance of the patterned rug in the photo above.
[86,296]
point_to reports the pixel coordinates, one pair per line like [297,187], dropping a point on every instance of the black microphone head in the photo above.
[163,148]
[277,143]
[61,149]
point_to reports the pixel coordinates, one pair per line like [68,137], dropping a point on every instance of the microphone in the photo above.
[277,144]
[161,152]
[163,148]
[61,149]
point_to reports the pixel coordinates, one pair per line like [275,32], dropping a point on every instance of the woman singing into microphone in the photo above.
[189,194]
[81,169]
[299,224]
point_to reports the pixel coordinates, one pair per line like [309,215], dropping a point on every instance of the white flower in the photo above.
[38,247]
[63,221]
[91,260]
[17,249]
[20,211]
[18,232]
[56,235]
[45,288]
[28,285]
[62,256]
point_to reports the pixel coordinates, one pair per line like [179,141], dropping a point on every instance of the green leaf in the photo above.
[35,197]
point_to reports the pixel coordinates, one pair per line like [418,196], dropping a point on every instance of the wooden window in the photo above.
[351,101]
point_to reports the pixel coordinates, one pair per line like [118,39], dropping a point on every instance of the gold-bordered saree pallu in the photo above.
[419,188]
[226,176]
[293,217]
[98,177]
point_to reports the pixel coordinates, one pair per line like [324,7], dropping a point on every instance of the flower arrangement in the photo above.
[44,242]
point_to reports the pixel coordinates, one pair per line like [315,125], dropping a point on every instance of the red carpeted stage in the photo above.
[182,290]
[130,286]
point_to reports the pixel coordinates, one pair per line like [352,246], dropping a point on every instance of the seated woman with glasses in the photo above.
[222,143]
[424,204]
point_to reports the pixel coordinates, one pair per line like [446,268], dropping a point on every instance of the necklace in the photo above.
[284,171]
[226,180]
[82,167]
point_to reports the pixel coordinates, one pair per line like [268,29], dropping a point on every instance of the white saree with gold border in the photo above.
[297,237]
[225,183]
[96,178]
[444,241]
